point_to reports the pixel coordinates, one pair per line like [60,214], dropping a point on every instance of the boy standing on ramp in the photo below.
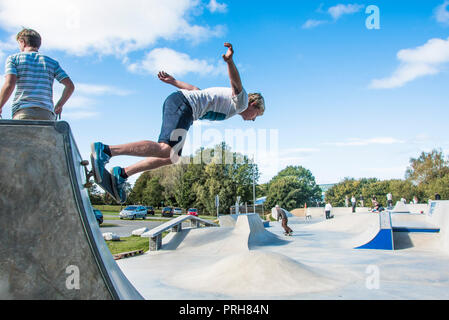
[33,73]
[180,109]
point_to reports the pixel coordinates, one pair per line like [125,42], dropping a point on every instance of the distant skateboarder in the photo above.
[283,216]
[180,109]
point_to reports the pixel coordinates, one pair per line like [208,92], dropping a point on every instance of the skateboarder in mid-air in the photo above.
[180,109]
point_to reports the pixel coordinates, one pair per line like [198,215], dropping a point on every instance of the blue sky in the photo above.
[342,100]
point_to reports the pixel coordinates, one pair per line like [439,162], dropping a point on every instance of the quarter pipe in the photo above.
[51,245]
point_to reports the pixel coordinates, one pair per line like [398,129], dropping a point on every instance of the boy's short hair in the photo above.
[30,37]
[259,99]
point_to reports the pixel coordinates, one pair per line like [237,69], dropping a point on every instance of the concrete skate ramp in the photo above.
[400,207]
[242,269]
[378,235]
[250,274]
[247,233]
[228,220]
[249,228]
[51,245]
[438,215]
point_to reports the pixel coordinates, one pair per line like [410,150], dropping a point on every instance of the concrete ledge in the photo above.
[175,225]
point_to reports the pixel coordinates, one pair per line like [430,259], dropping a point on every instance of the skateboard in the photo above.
[106,179]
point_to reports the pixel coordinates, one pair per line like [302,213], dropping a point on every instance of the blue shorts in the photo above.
[177,118]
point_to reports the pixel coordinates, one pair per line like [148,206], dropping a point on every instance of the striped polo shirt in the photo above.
[35,75]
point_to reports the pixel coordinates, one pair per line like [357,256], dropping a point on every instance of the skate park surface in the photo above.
[319,261]
[54,233]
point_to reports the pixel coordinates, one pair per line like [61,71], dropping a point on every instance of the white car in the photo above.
[133,212]
[177,211]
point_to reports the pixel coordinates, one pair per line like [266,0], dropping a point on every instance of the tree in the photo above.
[372,187]
[427,167]
[137,193]
[153,193]
[262,190]
[404,189]
[428,190]
[196,180]
[347,188]
[292,188]
[95,195]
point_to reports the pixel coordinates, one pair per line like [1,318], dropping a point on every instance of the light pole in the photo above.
[254,188]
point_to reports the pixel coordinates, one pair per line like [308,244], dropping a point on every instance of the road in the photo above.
[123,228]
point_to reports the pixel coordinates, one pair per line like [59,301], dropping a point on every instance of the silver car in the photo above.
[133,212]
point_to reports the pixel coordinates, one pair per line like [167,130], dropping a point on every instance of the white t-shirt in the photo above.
[328,207]
[216,104]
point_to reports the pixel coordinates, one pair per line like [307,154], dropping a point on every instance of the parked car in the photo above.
[133,212]
[150,210]
[193,212]
[99,216]
[167,212]
[177,211]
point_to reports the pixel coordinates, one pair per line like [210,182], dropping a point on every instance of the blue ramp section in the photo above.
[383,239]
[416,230]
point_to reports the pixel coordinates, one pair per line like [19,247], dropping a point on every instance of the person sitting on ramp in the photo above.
[180,109]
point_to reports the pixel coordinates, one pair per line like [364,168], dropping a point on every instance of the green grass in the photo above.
[127,244]
[110,208]
[132,243]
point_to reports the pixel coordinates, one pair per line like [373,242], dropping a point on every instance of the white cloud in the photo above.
[5,47]
[441,13]
[341,9]
[311,23]
[100,89]
[357,142]
[82,103]
[104,27]
[336,12]
[214,6]
[175,63]
[415,63]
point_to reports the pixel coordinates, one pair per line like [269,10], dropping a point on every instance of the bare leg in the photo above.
[147,164]
[142,149]
[157,155]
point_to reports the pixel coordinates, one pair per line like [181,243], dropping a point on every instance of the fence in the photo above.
[248,208]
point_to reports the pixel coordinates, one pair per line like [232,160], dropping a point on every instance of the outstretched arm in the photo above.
[68,90]
[165,77]
[7,89]
[234,76]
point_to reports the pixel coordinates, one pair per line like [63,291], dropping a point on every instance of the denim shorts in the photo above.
[177,118]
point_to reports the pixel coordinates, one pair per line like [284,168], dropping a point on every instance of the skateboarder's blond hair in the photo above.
[257,97]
